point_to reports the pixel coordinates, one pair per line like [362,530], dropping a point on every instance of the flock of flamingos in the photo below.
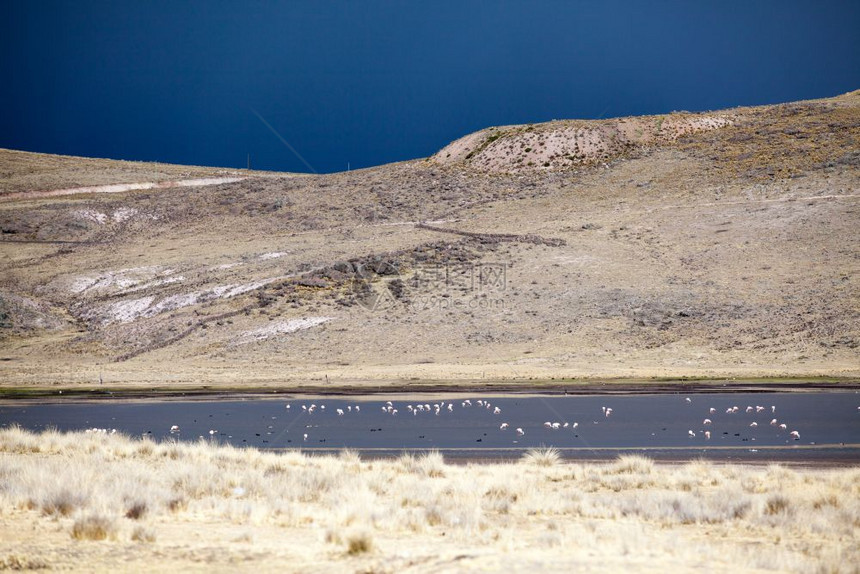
[418,409]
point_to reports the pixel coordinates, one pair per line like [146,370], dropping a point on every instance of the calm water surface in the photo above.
[657,425]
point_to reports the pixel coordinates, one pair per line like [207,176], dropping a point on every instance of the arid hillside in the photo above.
[719,244]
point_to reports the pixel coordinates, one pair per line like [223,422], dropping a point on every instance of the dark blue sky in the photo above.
[373,82]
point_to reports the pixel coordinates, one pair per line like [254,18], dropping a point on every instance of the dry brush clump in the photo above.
[544,456]
[116,488]
[94,526]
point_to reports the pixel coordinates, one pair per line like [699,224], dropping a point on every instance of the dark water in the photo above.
[656,425]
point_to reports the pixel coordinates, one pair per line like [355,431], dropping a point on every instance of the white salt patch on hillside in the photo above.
[118,216]
[281,328]
[273,255]
[136,309]
[205,181]
[156,283]
[170,303]
[92,215]
[118,282]
[81,284]
[115,281]
[123,214]
[126,311]
[113,314]
[112,188]
[226,291]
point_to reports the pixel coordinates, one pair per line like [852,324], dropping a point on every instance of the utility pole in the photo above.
[249,161]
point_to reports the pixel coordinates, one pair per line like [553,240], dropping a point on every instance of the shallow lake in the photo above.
[661,426]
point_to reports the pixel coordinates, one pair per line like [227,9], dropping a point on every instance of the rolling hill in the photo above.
[718,245]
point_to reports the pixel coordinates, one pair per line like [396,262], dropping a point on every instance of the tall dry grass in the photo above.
[118,489]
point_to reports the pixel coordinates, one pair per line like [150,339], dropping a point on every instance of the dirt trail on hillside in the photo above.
[120,188]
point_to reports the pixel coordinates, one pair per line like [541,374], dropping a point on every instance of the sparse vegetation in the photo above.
[94,527]
[546,456]
[358,543]
[342,508]
[739,235]
[143,534]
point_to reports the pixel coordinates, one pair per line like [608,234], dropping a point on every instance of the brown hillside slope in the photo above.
[38,172]
[715,245]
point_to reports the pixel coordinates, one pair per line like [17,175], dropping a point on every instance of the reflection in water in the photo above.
[724,426]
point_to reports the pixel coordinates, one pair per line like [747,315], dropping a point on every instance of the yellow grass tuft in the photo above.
[633,464]
[544,456]
[143,534]
[94,527]
[359,543]
[18,562]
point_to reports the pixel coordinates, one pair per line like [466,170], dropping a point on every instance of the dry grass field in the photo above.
[713,245]
[101,502]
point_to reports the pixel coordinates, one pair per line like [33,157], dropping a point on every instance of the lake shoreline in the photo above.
[18,394]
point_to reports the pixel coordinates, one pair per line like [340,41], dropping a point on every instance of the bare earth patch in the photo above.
[280,328]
